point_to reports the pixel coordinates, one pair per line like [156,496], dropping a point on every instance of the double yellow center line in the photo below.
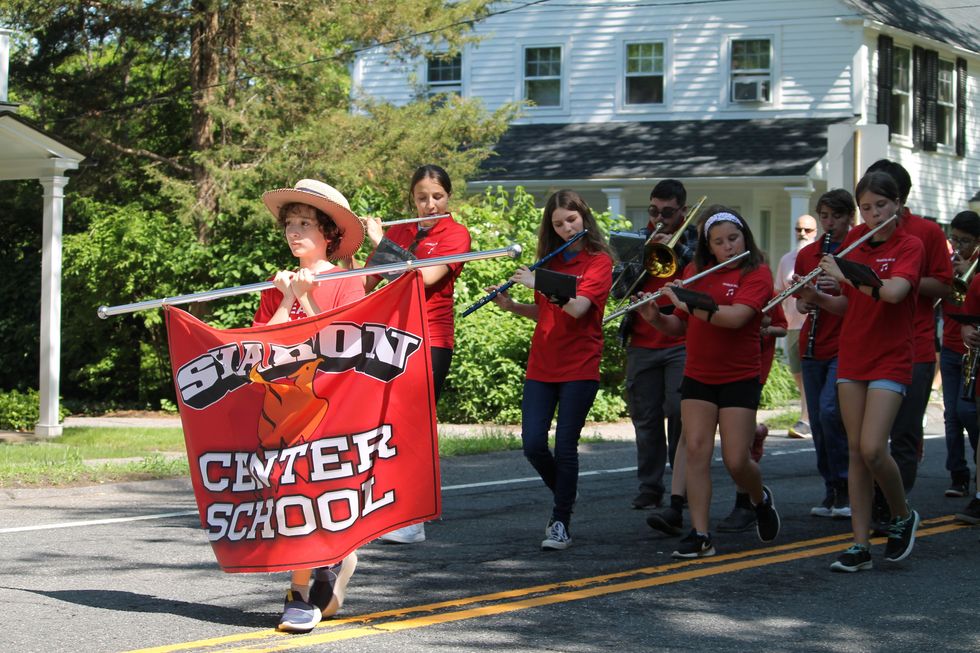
[483,605]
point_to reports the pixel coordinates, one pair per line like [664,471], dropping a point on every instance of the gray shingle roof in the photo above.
[690,148]
[956,22]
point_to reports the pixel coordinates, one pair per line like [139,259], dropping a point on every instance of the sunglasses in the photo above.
[667,212]
[805,230]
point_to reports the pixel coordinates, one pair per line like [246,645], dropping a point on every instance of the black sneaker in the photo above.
[957,489]
[971,515]
[856,558]
[738,520]
[647,500]
[901,537]
[694,545]
[666,520]
[767,519]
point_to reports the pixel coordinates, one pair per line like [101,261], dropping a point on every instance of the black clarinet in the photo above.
[811,339]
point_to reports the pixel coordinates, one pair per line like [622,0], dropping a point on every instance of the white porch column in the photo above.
[49,425]
[799,203]
[614,200]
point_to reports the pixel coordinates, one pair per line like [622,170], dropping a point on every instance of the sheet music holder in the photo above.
[555,284]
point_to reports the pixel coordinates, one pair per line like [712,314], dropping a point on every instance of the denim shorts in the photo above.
[879,384]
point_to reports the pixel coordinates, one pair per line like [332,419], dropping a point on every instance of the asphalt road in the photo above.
[69,581]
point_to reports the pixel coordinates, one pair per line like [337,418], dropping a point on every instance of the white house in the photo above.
[759,104]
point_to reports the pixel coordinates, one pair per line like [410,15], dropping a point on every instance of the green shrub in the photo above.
[20,411]
[780,388]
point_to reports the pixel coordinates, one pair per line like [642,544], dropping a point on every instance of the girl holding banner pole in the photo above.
[430,190]
[319,226]
[563,363]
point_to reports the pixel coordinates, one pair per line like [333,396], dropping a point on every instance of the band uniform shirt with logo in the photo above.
[445,238]
[326,295]
[935,264]
[952,337]
[875,335]
[828,324]
[564,348]
[715,354]
[777,320]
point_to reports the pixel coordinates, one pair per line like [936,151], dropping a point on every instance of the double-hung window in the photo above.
[946,104]
[901,100]
[542,75]
[444,74]
[751,70]
[644,73]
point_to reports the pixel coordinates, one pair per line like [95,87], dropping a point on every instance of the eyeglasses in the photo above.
[960,242]
[667,212]
[806,230]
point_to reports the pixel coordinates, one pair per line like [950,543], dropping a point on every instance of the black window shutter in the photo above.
[961,107]
[931,88]
[885,62]
[918,94]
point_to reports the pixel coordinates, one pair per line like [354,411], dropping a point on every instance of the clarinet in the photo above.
[815,314]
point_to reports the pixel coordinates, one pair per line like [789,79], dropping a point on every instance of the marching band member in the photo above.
[936,275]
[875,365]
[958,413]
[818,345]
[430,191]
[971,338]
[714,395]
[655,361]
[563,363]
[319,227]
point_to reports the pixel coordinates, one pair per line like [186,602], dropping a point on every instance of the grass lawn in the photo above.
[84,455]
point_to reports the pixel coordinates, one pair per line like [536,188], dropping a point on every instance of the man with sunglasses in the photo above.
[806,233]
[654,361]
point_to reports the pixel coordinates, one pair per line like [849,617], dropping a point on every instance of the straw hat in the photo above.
[329,200]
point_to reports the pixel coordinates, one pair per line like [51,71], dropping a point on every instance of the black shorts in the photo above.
[737,394]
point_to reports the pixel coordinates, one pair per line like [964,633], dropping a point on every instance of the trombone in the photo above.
[513,251]
[812,274]
[655,296]
[659,259]
[962,283]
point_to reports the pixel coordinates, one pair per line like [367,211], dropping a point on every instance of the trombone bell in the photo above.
[659,260]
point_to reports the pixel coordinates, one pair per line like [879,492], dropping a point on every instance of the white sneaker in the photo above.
[408,535]
[558,538]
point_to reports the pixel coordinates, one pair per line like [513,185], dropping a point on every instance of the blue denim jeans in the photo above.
[957,415]
[829,437]
[558,470]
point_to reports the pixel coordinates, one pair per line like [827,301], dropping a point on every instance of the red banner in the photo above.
[308,439]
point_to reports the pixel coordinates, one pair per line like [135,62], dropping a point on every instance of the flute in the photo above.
[439,216]
[810,276]
[534,266]
[655,296]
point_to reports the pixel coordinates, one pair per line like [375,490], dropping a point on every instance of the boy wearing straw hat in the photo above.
[318,226]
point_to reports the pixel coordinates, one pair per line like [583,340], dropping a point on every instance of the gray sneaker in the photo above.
[298,616]
[738,520]
[330,585]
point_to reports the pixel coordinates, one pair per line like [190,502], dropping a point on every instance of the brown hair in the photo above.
[328,227]
[549,241]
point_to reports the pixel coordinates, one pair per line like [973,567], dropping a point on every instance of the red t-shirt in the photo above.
[643,334]
[971,306]
[875,335]
[778,319]
[952,338]
[326,294]
[564,348]
[718,355]
[935,264]
[828,324]
[446,237]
